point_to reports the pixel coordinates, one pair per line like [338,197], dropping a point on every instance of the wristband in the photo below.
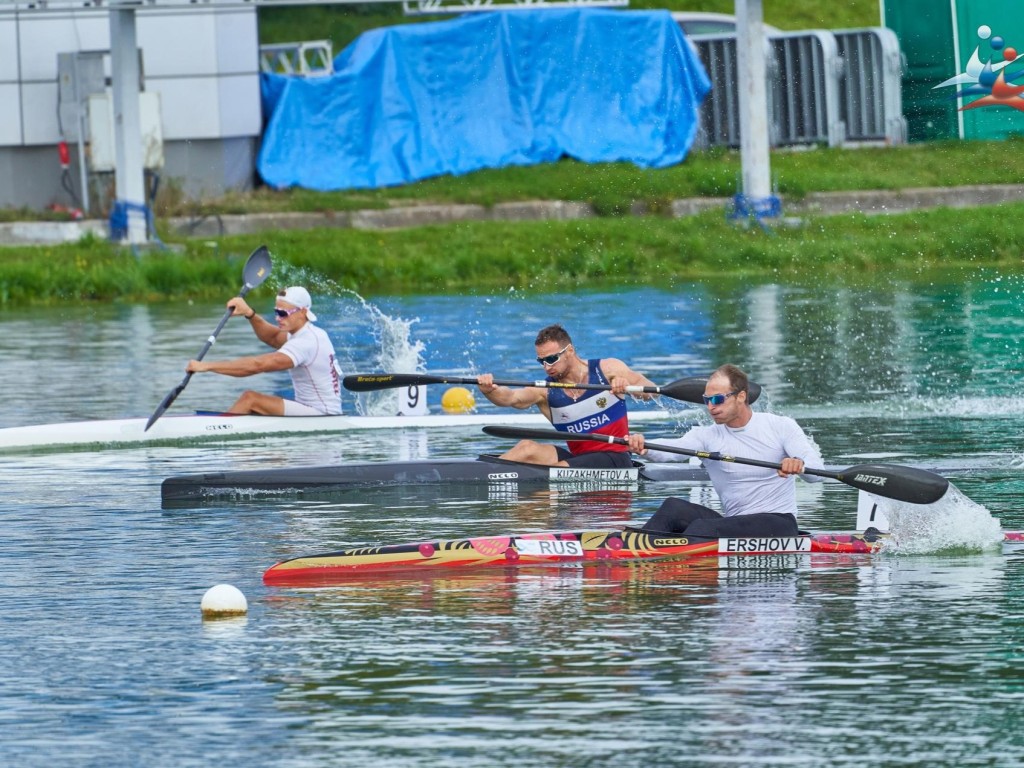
[251,315]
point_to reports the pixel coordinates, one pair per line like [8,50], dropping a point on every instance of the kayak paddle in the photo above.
[690,390]
[256,270]
[917,486]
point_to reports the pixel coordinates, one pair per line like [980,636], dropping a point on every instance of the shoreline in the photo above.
[866,202]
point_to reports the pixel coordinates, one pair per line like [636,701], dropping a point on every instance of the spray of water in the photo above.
[952,525]
[393,349]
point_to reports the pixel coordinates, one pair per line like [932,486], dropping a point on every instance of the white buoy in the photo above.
[223,601]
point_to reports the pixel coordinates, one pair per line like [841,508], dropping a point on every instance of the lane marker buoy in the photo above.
[223,601]
[458,400]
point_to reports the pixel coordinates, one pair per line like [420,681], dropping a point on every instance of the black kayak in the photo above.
[486,470]
[485,474]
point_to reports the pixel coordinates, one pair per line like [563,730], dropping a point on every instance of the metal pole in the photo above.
[80,117]
[754,150]
[128,174]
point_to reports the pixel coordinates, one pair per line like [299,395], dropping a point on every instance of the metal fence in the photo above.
[870,93]
[823,87]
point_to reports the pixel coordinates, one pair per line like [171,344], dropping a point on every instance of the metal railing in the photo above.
[824,87]
[313,58]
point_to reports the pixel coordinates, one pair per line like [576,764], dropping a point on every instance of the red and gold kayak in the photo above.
[580,548]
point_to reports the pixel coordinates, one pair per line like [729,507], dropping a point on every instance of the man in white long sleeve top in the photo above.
[756,501]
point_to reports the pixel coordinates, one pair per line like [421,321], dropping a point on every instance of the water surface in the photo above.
[909,660]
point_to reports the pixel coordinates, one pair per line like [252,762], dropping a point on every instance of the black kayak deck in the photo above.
[484,470]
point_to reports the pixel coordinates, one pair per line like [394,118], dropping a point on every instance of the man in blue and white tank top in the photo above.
[302,349]
[571,409]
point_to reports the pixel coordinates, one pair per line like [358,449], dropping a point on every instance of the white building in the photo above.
[199,106]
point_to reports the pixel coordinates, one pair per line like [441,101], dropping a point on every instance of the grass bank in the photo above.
[533,256]
[612,188]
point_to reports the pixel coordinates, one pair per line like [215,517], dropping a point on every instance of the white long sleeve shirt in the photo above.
[744,489]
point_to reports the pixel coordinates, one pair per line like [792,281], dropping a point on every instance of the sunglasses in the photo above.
[552,359]
[282,313]
[717,399]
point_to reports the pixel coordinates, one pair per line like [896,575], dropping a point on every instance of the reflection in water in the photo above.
[739,650]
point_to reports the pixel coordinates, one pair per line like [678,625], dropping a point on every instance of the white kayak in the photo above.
[207,426]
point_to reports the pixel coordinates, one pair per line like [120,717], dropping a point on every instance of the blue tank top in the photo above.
[598,410]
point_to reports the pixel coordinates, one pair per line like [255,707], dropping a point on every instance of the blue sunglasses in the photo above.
[717,399]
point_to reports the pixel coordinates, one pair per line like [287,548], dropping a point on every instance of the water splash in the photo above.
[952,525]
[397,352]
[967,406]
[393,349]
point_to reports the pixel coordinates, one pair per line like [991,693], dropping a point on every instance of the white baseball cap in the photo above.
[298,296]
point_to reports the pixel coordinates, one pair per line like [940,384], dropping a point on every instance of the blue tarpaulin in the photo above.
[487,90]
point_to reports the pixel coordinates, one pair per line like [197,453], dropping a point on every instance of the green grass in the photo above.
[612,188]
[341,24]
[535,256]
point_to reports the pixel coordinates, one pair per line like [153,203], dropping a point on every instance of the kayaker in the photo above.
[572,410]
[302,349]
[756,501]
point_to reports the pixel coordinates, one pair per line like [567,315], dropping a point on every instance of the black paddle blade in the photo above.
[257,269]
[166,403]
[910,484]
[691,390]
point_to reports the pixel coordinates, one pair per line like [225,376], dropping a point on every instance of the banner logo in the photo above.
[989,75]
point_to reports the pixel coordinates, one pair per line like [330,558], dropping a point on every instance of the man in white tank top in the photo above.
[756,501]
[302,348]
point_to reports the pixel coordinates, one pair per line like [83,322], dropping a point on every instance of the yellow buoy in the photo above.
[458,400]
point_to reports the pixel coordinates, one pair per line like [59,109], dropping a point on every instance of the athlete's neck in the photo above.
[575,374]
[742,418]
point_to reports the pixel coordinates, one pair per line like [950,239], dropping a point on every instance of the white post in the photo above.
[754,151]
[129,179]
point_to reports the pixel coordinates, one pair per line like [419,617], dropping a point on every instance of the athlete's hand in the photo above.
[619,384]
[791,466]
[485,381]
[239,307]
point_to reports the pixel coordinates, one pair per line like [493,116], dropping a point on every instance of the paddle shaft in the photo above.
[256,270]
[372,382]
[173,394]
[902,483]
[689,390]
